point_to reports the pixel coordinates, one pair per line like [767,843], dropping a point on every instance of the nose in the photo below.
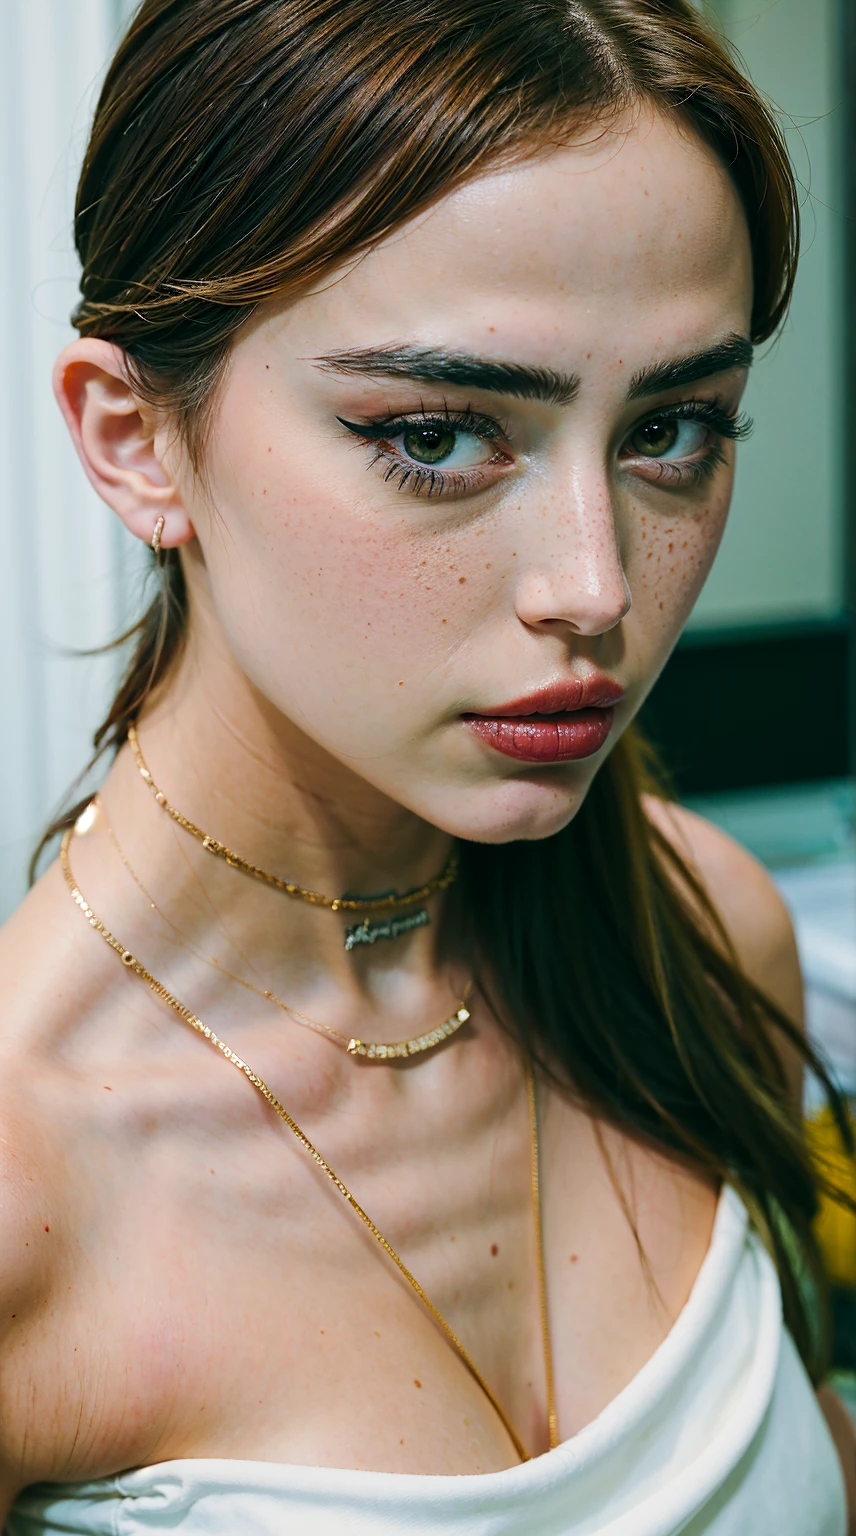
[573,574]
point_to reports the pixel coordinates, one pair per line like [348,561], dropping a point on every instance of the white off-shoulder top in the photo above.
[718,1435]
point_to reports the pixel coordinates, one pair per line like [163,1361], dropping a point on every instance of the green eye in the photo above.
[428,444]
[657,437]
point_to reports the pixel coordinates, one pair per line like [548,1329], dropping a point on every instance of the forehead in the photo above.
[633,240]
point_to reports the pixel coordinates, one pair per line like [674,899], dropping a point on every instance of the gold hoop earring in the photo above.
[156,537]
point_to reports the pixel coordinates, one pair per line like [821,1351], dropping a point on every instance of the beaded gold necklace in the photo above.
[366,932]
[369,1050]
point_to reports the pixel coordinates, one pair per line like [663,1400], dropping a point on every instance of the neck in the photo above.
[253,781]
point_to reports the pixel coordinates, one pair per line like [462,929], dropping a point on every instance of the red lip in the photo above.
[560,723]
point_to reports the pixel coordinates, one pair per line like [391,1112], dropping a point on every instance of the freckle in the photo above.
[444,621]
[417,1383]
[320,1330]
[462,581]
[671,547]
[494,1249]
[375,1332]
[511,1285]
[489,564]
[661,605]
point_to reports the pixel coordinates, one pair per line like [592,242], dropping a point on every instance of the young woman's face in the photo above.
[461,500]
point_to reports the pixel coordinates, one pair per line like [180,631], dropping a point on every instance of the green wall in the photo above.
[782,556]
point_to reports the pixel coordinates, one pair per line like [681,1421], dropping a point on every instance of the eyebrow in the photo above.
[734,352]
[521,381]
[428,366]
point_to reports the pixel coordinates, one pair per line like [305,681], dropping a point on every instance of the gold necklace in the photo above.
[130,961]
[371,1050]
[385,903]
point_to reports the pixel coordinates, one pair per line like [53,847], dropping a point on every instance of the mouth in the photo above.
[558,724]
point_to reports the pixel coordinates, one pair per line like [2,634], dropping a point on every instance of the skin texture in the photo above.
[175,1278]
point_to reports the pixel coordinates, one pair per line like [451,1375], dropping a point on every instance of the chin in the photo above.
[515,810]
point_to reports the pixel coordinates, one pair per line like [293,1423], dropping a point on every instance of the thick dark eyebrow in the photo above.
[734,352]
[426,366]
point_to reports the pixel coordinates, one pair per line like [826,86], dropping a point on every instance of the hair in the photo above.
[243,149]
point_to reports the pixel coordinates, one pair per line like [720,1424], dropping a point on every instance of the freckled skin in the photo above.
[596,261]
[339,628]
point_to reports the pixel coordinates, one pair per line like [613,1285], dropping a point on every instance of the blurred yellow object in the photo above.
[835,1225]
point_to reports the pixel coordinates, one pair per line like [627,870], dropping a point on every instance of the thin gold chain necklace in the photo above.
[130,961]
[366,904]
[370,1050]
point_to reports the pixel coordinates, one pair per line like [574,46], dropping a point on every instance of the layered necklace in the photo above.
[369,1050]
[135,966]
[366,932]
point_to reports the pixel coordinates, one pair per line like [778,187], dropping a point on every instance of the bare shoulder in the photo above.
[28,1224]
[33,1162]
[27,1206]
[751,909]
[31,1244]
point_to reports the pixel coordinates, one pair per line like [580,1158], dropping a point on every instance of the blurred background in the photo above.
[72,575]
[755,712]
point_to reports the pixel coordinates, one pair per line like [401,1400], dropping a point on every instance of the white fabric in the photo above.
[718,1435]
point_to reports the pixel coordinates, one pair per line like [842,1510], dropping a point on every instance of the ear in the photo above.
[118,442]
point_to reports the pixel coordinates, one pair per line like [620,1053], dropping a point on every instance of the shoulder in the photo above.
[748,904]
[30,1220]
[33,1249]
[37,1006]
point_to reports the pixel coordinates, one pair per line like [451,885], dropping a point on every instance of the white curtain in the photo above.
[68,572]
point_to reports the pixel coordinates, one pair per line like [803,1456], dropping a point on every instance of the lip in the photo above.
[562,722]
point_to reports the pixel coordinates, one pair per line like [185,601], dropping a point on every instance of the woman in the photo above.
[413,342]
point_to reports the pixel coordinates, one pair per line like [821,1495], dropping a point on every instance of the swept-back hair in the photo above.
[243,149]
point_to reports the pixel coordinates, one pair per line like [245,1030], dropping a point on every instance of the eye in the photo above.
[683,445]
[664,437]
[457,452]
[439,445]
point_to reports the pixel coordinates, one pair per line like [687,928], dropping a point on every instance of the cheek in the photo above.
[669,560]
[370,600]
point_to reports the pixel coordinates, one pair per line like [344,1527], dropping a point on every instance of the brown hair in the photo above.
[244,148]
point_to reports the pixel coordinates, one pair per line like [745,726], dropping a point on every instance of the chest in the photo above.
[217,1295]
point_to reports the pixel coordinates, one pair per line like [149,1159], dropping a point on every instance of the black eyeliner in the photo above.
[455,421]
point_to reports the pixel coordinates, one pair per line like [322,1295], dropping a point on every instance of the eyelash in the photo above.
[415,478]
[725,424]
[729,425]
